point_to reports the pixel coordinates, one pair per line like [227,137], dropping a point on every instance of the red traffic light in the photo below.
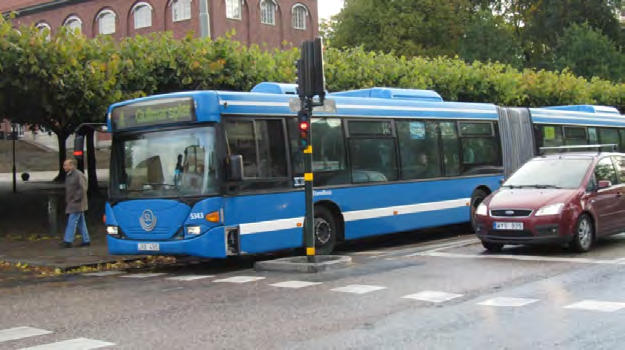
[303,126]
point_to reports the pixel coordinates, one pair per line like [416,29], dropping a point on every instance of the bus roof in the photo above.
[587,115]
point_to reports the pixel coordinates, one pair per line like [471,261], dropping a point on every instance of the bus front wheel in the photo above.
[325,230]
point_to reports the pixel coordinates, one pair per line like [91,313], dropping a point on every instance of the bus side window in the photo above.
[451,148]
[418,144]
[373,155]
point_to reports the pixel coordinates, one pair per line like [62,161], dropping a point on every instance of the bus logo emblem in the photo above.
[148,220]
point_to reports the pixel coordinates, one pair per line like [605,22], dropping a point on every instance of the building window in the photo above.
[268,12]
[300,13]
[233,9]
[44,28]
[181,10]
[143,15]
[74,24]
[106,22]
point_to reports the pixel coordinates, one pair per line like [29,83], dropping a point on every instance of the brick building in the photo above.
[270,22]
[274,23]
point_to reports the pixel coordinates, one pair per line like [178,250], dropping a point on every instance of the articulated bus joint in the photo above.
[233,241]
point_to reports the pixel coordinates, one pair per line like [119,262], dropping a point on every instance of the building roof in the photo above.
[14,5]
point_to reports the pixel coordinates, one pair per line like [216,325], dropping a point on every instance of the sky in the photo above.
[328,8]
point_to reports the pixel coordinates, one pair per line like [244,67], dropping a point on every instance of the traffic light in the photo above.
[309,70]
[304,129]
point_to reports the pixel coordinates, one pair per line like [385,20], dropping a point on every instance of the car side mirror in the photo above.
[501,181]
[235,168]
[604,184]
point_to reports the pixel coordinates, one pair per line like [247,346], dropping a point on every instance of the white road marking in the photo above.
[295,284]
[240,279]
[433,296]
[144,275]
[519,258]
[358,289]
[595,305]
[73,344]
[20,333]
[104,273]
[189,278]
[510,302]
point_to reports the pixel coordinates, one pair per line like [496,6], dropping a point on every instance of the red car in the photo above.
[568,199]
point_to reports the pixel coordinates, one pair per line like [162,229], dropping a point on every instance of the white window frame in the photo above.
[231,9]
[180,6]
[72,19]
[297,10]
[138,23]
[42,26]
[101,16]
[268,12]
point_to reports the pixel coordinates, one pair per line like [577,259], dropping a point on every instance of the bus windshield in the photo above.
[171,163]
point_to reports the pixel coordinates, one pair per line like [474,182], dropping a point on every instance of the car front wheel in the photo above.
[584,235]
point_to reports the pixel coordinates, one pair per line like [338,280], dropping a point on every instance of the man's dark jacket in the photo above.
[76,192]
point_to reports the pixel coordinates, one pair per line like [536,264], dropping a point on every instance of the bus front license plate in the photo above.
[508,226]
[149,246]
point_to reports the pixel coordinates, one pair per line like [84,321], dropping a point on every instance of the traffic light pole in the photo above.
[309,220]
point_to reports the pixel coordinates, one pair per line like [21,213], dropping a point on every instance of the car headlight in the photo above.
[482,210]
[553,209]
[194,230]
[112,230]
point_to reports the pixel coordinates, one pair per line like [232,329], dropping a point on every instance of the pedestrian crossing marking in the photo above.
[189,278]
[144,275]
[240,279]
[595,305]
[508,302]
[295,284]
[73,344]
[433,296]
[358,289]
[21,333]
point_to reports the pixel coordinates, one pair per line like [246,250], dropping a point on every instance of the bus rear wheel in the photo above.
[325,230]
[476,199]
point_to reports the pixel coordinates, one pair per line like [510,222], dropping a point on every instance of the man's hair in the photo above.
[71,161]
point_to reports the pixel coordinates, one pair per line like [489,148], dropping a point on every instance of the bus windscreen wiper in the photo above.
[182,198]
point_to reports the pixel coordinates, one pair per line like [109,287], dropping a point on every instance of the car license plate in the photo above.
[508,226]
[149,246]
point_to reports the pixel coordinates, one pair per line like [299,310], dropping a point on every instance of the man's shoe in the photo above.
[85,244]
[65,244]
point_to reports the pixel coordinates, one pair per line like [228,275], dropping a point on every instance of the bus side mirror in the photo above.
[235,168]
[79,146]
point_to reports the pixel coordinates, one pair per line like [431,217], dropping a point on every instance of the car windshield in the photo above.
[550,173]
[172,163]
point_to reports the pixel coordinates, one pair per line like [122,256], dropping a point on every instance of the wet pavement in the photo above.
[395,296]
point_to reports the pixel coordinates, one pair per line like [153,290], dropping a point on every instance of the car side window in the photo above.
[619,163]
[604,170]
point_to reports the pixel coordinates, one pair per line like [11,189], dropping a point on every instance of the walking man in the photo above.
[76,204]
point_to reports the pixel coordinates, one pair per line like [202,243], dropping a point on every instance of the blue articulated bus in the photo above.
[215,174]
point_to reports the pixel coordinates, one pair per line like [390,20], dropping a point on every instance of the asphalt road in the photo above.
[411,294]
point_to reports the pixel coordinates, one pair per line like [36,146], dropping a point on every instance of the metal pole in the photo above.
[205,29]
[14,136]
[309,231]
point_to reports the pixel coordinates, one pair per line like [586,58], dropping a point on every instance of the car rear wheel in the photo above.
[493,247]
[584,234]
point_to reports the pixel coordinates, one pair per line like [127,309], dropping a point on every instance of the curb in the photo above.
[301,264]
[73,266]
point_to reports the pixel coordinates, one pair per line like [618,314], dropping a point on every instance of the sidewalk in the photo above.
[33,220]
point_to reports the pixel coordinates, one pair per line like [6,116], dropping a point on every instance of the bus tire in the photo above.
[325,230]
[477,197]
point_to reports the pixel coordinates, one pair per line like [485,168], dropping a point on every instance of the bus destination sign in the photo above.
[155,112]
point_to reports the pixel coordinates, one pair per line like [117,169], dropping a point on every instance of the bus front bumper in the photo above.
[211,244]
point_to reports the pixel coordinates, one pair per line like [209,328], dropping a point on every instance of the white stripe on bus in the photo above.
[285,224]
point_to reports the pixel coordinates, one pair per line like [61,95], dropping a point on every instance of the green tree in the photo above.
[57,83]
[407,27]
[588,53]
[490,38]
